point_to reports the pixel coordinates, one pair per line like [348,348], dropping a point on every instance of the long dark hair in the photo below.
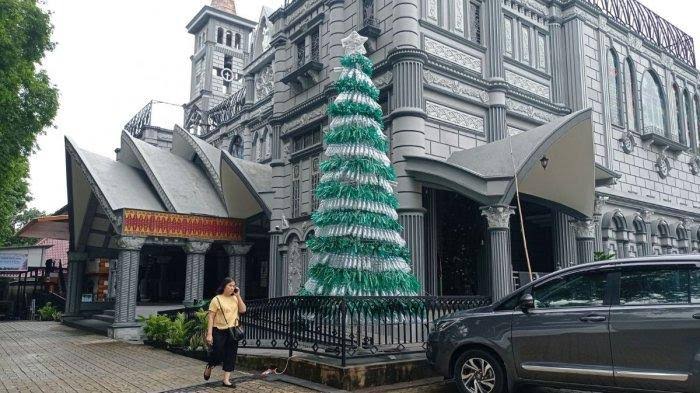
[223,285]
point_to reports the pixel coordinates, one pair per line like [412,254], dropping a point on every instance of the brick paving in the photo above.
[50,357]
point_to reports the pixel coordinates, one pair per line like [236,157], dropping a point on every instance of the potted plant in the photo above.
[156,328]
[178,334]
[197,347]
[46,313]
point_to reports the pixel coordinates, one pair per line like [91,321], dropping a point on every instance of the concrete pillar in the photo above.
[336,32]
[194,273]
[237,263]
[76,271]
[575,63]
[413,232]
[564,242]
[498,218]
[585,239]
[275,278]
[496,128]
[598,210]
[647,248]
[111,278]
[405,24]
[557,65]
[125,326]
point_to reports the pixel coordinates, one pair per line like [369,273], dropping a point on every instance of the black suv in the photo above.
[627,325]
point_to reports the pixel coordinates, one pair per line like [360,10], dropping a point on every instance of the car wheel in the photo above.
[478,371]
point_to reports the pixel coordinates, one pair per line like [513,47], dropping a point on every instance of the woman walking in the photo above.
[224,311]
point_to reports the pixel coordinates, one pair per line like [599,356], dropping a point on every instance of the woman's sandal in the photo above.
[232,385]
[207,372]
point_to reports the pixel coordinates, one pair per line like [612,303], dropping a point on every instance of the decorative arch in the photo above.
[229,37]
[639,231]
[254,147]
[680,127]
[220,35]
[615,87]
[614,230]
[631,95]
[237,41]
[663,239]
[696,131]
[235,147]
[678,230]
[264,142]
[689,119]
[654,116]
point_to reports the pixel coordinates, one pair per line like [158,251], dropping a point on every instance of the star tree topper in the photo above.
[354,43]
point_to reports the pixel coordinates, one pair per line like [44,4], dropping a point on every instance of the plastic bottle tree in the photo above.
[358,249]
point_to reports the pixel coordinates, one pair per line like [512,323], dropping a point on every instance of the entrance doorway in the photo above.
[161,274]
[538,232]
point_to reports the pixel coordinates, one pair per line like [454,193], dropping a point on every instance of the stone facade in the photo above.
[458,74]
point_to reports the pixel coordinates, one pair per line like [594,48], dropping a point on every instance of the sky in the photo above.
[113,57]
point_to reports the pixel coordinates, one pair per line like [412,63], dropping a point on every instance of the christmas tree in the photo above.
[358,249]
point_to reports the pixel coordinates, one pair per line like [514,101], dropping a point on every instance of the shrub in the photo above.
[178,334]
[156,327]
[198,330]
[46,313]
[57,316]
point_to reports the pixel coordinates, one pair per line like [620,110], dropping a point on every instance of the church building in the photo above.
[569,127]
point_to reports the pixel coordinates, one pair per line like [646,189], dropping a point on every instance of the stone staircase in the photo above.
[97,323]
[106,316]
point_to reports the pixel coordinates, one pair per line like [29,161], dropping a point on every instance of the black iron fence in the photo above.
[345,327]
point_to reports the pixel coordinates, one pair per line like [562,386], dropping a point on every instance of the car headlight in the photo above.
[443,324]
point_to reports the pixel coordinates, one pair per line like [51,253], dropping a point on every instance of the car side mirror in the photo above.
[527,302]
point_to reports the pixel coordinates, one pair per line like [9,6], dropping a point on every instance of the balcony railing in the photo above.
[346,327]
[651,26]
[228,108]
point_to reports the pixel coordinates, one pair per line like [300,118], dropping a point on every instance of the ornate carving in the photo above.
[646,215]
[459,16]
[663,166]
[498,216]
[237,249]
[294,267]
[304,119]
[264,83]
[454,116]
[584,229]
[667,60]
[635,42]
[384,80]
[528,110]
[694,165]
[433,10]
[688,222]
[130,242]
[455,86]
[599,204]
[193,247]
[303,8]
[451,54]
[527,84]
[628,143]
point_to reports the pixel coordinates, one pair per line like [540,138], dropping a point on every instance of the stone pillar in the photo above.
[76,271]
[413,232]
[111,278]
[336,32]
[194,273]
[237,263]
[648,248]
[274,286]
[598,207]
[564,241]
[125,326]
[405,24]
[575,63]
[249,89]
[498,218]
[496,128]
[558,65]
[585,239]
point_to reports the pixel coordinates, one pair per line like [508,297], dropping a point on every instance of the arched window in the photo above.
[614,87]
[237,41]
[682,239]
[621,236]
[261,147]
[254,148]
[631,94]
[653,109]
[679,114]
[236,147]
[640,235]
[689,119]
[697,120]
[220,35]
[229,37]
[663,234]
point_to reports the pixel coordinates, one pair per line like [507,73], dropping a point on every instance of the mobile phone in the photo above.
[235,290]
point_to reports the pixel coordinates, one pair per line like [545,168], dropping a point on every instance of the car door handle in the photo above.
[593,318]
[697,316]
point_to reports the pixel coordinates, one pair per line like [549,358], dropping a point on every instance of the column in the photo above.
[125,326]
[564,241]
[648,248]
[585,239]
[557,62]
[498,218]
[598,207]
[575,62]
[496,128]
[336,32]
[237,262]
[76,271]
[194,273]
[274,286]
[413,228]
[111,278]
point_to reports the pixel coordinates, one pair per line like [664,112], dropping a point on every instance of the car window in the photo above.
[576,290]
[695,285]
[661,285]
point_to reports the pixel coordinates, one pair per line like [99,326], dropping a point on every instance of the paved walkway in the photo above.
[50,357]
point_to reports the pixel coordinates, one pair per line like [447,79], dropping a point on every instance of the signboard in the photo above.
[13,261]
[86,298]
[148,223]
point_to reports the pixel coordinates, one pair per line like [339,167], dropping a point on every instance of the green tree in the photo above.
[28,101]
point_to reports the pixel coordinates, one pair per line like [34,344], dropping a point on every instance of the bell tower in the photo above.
[221,46]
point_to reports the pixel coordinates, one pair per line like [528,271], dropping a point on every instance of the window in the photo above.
[475,22]
[576,290]
[508,36]
[688,116]
[679,113]
[295,190]
[237,41]
[368,13]
[695,285]
[315,178]
[220,35]
[541,52]
[301,53]
[315,46]
[229,36]
[236,147]
[639,286]
[268,145]
[631,96]
[254,148]
[682,238]
[697,122]
[614,84]
[653,111]
[526,44]
[307,140]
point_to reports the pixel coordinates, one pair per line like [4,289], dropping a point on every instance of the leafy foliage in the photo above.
[603,256]
[48,312]
[28,101]
[198,330]
[178,333]
[156,327]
